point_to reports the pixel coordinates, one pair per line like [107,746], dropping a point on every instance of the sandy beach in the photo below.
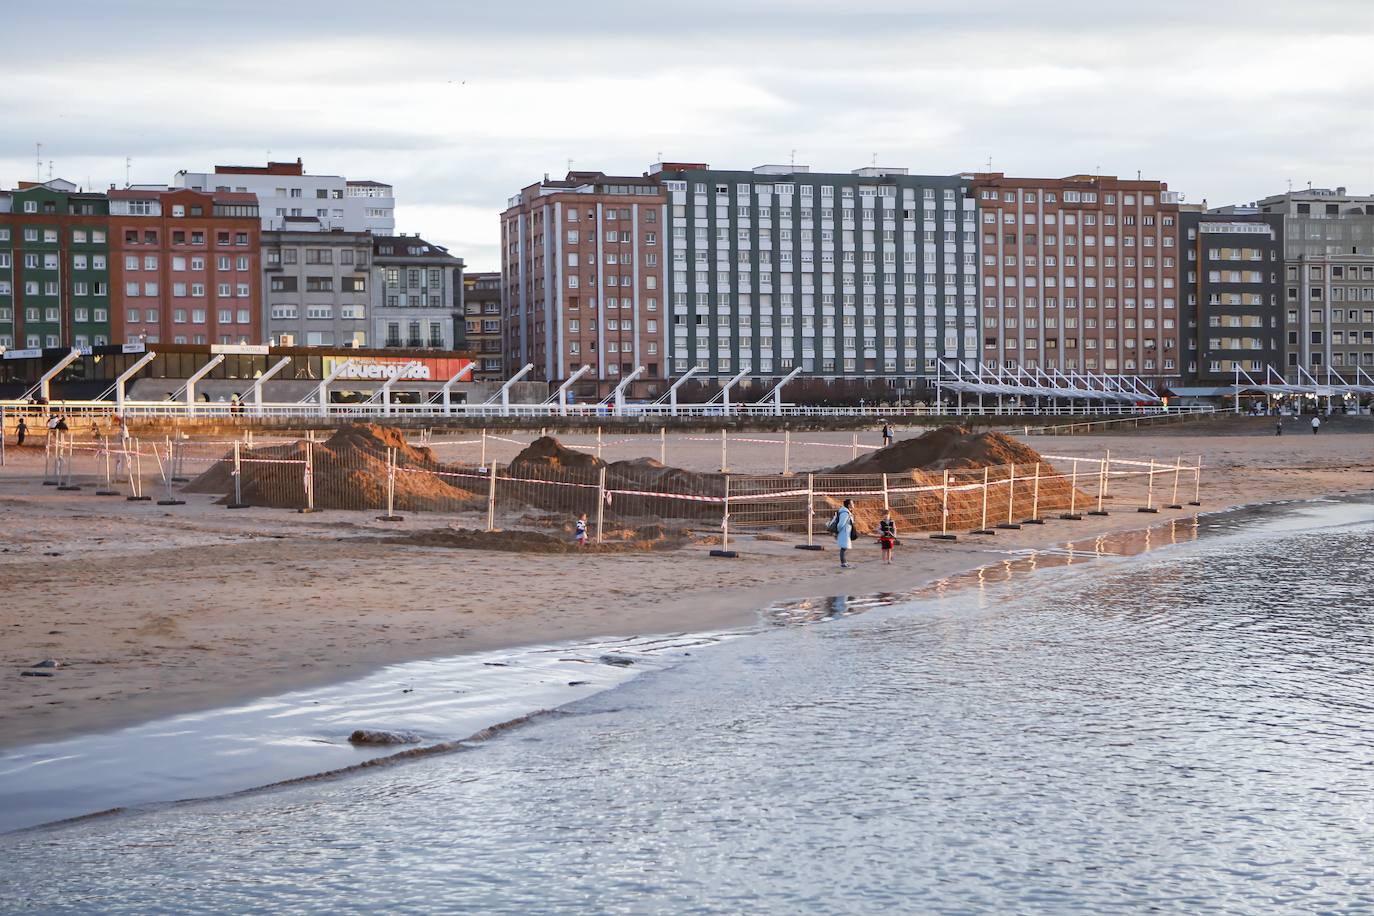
[155,610]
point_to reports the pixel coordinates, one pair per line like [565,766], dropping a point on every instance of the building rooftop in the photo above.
[272,168]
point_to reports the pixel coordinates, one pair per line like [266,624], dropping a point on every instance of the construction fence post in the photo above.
[598,443]
[944,534]
[1010,525]
[725,516]
[1197,483]
[237,473]
[663,445]
[854,446]
[1035,518]
[482,459]
[724,453]
[600,503]
[983,524]
[810,510]
[391,515]
[1072,515]
[1149,492]
[1104,473]
[786,452]
[108,489]
[1178,471]
[491,498]
[309,472]
[886,504]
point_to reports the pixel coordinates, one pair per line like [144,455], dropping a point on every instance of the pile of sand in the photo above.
[349,473]
[946,448]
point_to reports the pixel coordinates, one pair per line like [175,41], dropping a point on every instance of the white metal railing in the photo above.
[240,412]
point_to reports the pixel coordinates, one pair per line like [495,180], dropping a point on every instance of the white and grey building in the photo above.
[871,274]
[317,288]
[289,199]
[1328,280]
[417,292]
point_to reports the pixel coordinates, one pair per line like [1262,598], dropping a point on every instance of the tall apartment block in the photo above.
[289,199]
[417,290]
[1328,280]
[870,274]
[318,288]
[1232,292]
[583,268]
[54,267]
[185,266]
[1080,274]
[482,323]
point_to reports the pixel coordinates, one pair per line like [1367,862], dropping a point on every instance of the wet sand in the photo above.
[154,611]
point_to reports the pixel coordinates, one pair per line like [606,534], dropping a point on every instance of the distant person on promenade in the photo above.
[580,530]
[21,431]
[887,434]
[1316,424]
[887,536]
[842,526]
[1278,427]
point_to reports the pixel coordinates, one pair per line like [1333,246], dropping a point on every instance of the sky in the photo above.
[461,104]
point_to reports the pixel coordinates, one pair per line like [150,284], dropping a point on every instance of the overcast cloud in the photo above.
[460,105]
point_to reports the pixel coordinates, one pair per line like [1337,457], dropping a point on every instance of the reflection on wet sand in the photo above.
[1016,563]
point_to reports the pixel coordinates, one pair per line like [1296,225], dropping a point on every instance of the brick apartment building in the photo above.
[482,323]
[583,271]
[1080,274]
[185,266]
[54,271]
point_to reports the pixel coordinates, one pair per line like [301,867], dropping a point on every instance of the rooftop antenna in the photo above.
[1137,174]
[128,169]
[570,162]
[989,163]
[38,161]
[875,160]
[50,170]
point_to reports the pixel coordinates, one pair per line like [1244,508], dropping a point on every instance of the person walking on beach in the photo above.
[1316,424]
[887,434]
[887,536]
[580,530]
[21,431]
[842,526]
[1278,427]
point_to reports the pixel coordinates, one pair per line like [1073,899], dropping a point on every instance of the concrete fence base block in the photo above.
[1071,517]
[138,499]
[810,546]
[1174,506]
[1009,526]
[306,511]
[391,518]
[49,483]
[1148,509]
[106,493]
[1193,502]
[68,487]
[944,537]
[727,554]
[171,502]
[1099,512]
[983,531]
[1033,521]
[236,506]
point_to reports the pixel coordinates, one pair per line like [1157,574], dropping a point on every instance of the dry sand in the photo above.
[159,610]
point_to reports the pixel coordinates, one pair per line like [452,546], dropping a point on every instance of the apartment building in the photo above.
[290,199]
[1232,308]
[185,266]
[869,274]
[317,288]
[583,272]
[1328,284]
[54,267]
[482,323]
[1080,274]
[417,291]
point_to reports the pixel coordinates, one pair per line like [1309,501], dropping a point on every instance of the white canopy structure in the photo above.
[1038,383]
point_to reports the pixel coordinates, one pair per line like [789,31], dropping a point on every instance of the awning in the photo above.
[1203,392]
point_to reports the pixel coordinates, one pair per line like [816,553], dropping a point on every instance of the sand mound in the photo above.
[349,473]
[946,448]
[547,452]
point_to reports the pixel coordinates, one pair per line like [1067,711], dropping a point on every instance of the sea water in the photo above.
[1186,730]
